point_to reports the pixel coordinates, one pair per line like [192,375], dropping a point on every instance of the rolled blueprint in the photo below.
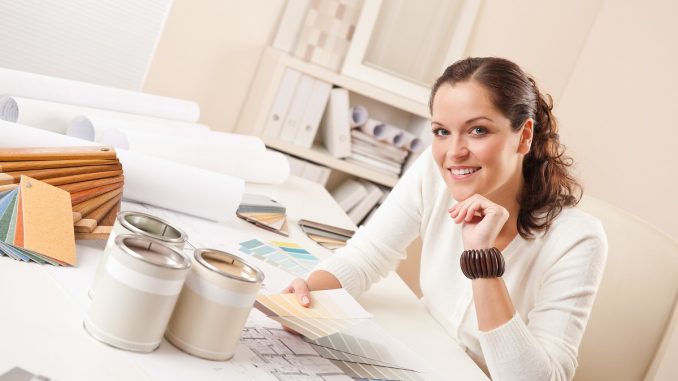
[392,135]
[90,126]
[148,179]
[57,117]
[229,154]
[358,116]
[410,142]
[374,128]
[54,89]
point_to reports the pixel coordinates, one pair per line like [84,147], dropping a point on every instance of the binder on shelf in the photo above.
[281,103]
[290,25]
[314,172]
[349,193]
[336,124]
[296,165]
[324,175]
[366,204]
[320,92]
[295,113]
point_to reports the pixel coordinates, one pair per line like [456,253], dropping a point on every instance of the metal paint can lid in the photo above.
[152,251]
[228,265]
[154,227]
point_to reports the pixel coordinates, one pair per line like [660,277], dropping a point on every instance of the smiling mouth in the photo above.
[464,171]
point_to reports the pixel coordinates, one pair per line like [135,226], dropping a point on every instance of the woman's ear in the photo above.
[526,137]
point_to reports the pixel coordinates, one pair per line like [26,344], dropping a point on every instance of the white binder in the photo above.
[360,211]
[281,103]
[315,107]
[349,193]
[292,121]
[337,124]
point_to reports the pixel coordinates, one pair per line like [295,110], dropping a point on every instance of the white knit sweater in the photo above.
[552,279]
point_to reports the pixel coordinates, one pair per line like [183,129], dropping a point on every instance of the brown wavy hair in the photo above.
[548,184]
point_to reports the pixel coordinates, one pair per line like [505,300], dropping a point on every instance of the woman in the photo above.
[495,177]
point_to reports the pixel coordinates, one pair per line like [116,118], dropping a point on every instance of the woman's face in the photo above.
[473,144]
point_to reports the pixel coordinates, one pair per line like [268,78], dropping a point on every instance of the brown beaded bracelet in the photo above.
[483,263]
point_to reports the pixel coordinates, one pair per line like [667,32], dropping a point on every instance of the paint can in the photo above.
[137,292]
[142,224]
[214,304]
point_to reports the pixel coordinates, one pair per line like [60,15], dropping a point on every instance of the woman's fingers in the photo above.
[300,289]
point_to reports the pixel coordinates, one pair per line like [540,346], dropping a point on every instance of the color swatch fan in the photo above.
[36,224]
[263,212]
[331,311]
[92,175]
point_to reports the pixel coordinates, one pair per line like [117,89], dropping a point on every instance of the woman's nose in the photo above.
[457,148]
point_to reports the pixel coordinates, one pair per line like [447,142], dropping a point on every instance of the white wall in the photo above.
[618,110]
[209,53]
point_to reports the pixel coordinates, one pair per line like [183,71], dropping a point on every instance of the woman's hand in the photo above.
[481,221]
[300,289]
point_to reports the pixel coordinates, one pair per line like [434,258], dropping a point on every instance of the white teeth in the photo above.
[465,171]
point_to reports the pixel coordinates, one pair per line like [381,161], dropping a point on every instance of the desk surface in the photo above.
[41,323]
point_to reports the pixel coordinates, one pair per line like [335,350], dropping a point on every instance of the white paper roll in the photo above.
[358,116]
[392,135]
[148,179]
[89,127]
[57,117]
[229,154]
[374,128]
[53,89]
[410,142]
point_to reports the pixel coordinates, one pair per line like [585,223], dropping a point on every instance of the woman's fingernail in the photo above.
[304,299]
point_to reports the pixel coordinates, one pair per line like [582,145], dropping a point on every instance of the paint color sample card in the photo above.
[345,347]
[331,311]
[287,256]
[36,224]
[373,372]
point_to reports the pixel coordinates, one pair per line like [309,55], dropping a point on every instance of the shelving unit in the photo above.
[388,105]
[318,154]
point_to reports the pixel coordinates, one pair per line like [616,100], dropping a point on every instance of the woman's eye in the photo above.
[478,131]
[440,132]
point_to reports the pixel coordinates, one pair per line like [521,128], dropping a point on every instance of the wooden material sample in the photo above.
[41,174]
[84,185]
[56,153]
[88,194]
[11,166]
[47,221]
[88,206]
[85,225]
[80,178]
[99,213]
[109,219]
[99,233]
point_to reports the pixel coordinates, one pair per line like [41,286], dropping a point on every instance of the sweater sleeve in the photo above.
[378,247]
[546,347]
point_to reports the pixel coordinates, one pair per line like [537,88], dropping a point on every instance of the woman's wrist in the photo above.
[482,263]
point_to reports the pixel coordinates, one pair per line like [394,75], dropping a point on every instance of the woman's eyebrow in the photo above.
[478,118]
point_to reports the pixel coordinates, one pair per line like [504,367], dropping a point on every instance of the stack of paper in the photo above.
[36,224]
[331,311]
[380,155]
[92,175]
[263,212]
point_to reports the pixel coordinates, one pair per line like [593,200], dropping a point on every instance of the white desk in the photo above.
[41,323]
